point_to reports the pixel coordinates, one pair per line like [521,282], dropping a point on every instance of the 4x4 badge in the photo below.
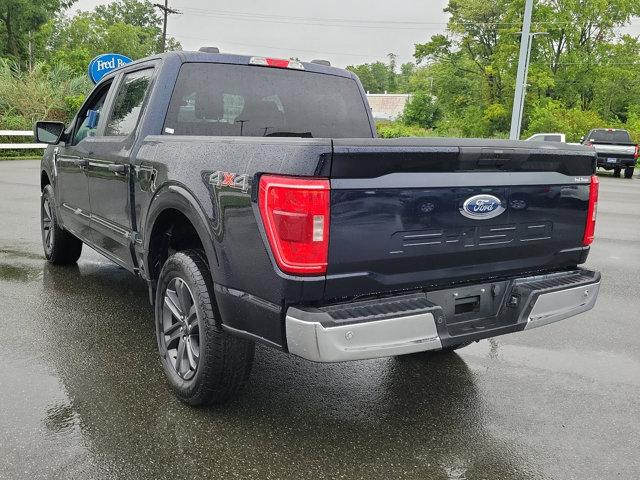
[229,179]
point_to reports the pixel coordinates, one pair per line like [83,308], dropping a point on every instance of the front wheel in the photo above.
[628,172]
[204,365]
[60,246]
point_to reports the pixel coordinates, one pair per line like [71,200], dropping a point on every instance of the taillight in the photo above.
[295,213]
[590,228]
[276,62]
[635,155]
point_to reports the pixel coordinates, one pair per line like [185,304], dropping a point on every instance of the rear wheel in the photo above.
[60,246]
[628,172]
[616,172]
[203,364]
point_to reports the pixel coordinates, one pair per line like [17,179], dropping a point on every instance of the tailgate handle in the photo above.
[495,158]
[492,162]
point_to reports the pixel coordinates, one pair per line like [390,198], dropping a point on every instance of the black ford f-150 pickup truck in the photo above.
[253,197]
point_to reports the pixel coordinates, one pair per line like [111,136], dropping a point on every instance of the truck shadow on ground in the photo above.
[416,417]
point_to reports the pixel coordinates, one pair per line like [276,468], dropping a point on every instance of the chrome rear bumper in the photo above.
[410,323]
[555,306]
[381,338]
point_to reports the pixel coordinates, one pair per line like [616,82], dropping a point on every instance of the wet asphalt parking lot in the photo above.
[82,393]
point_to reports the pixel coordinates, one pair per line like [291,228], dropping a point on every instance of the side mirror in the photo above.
[49,132]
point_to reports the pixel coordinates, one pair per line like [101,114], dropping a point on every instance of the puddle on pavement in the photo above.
[19,273]
[13,253]
[61,419]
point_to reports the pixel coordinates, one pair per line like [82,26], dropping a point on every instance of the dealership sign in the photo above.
[103,64]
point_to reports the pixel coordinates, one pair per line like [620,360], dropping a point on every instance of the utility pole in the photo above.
[518,97]
[532,35]
[166,11]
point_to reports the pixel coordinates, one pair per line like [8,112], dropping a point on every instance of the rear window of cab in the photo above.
[214,99]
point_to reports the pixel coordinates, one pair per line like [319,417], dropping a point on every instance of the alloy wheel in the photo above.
[47,224]
[179,329]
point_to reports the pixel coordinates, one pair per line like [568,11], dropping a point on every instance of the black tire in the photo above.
[616,172]
[433,353]
[60,247]
[217,364]
[628,172]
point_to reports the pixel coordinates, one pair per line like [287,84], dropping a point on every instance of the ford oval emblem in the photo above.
[482,207]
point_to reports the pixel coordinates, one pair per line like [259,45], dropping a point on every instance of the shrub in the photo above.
[421,110]
[398,129]
[556,117]
[633,122]
[41,93]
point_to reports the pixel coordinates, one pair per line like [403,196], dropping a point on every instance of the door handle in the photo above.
[114,167]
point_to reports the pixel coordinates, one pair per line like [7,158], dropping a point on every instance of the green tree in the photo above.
[380,77]
[20,20]
[557,117]
[421,110]
[403,79]
[128,27]
[132,12]
[581,63]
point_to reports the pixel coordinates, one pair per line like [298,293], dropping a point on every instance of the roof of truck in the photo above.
[230,58]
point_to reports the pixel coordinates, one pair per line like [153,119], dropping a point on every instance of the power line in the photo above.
[376,24]
[301,21]
[321,52]
[259,16]
[384,56]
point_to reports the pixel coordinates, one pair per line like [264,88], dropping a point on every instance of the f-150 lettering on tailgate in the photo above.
[465,237]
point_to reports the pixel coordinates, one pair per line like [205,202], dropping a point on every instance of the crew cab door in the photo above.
[109,171]
[71,161]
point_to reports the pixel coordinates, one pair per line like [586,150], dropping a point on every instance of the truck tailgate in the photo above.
[617,150]
[420,213]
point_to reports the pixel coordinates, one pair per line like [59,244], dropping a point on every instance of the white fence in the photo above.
[19,146]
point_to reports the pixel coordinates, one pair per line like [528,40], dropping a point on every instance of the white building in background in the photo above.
[387,106]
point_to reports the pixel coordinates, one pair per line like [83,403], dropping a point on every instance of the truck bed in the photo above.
[395,219]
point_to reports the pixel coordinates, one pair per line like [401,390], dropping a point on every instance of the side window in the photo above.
[87,123]
[127,105]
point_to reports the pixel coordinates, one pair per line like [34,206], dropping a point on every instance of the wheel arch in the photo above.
[44,180]
[175,219]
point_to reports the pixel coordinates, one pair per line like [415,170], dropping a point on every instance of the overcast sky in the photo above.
[345,32]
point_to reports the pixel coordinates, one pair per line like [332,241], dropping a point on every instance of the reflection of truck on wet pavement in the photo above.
[253,197]
[616,151]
